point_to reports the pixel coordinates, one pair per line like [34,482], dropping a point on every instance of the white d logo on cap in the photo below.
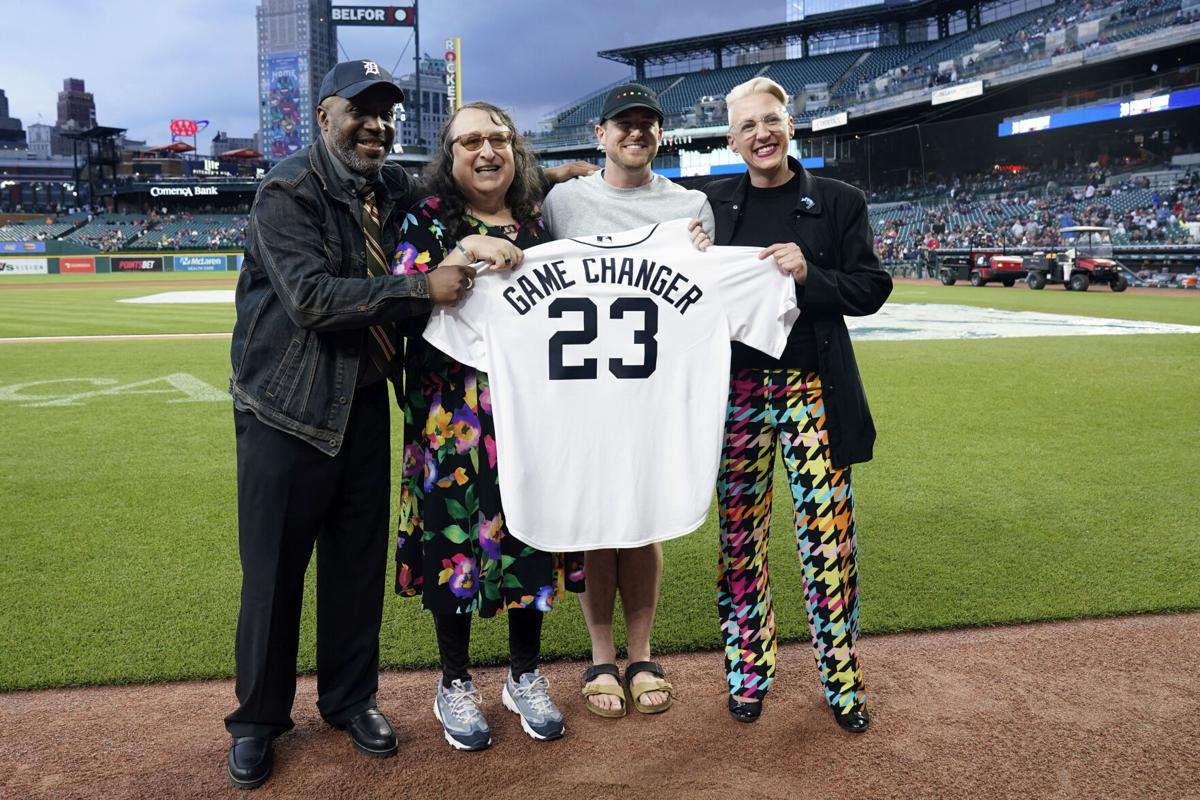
[370,68]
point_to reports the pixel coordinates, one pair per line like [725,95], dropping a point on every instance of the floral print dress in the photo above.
[452,545]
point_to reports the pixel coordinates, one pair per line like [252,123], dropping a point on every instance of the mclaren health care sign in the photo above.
[199,263]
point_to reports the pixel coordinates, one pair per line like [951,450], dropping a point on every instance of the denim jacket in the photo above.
[304,298]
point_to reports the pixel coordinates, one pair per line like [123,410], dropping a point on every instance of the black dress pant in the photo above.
[290,496]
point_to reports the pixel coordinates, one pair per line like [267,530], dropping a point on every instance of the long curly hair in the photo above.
[524,195]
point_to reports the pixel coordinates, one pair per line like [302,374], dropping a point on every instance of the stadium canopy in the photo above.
[173,147]
[94,134]
[799,31]
[244,152]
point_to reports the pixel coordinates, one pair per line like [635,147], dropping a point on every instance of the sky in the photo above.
[147,63]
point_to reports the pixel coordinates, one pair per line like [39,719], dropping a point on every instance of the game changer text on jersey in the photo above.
[608,359]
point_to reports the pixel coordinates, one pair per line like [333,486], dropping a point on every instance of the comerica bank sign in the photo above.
[183,191]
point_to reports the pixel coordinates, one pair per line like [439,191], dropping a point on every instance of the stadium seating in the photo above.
[795,74]
[1020,36]
[683,95]
[587,111]
[31,233]
[202,232]
[877,63]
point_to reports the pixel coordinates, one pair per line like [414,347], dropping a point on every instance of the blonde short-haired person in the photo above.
[810,400]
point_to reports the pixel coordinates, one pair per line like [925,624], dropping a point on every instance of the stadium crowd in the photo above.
[1029,211]
[1014,209]
[1028,38]
[149,230]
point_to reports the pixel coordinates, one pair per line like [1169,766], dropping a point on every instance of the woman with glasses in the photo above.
[453,547]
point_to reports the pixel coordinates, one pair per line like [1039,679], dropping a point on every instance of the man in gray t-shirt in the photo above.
[625,194]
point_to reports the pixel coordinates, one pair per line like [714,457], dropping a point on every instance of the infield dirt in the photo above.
[1084,709]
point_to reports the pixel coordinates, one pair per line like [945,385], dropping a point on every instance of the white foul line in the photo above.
[115,337]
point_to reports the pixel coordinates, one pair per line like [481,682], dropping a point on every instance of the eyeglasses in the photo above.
[772,122]
[474,141]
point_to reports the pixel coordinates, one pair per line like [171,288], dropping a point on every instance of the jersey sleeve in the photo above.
[760,302]
[459,330]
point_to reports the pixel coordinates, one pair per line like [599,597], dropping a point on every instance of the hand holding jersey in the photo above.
[700,238]
[609,365]
[790,260]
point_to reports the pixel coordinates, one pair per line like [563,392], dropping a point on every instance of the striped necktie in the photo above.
[382,338]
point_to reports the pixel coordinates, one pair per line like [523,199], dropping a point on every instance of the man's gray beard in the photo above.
[344,150]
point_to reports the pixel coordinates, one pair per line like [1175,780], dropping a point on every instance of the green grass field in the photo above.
[1016,479]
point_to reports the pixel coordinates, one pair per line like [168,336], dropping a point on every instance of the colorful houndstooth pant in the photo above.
[785,405]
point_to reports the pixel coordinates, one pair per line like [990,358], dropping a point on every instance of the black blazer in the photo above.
[844,277]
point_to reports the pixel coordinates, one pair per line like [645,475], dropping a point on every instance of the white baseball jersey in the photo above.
[608,358]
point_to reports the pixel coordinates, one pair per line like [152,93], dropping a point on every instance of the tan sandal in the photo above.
[656,684]
[590,674]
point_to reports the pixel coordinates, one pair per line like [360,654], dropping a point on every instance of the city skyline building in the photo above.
[12,135]
[76,106]
[223,143]
[40,135]
[433,104]
[297,45]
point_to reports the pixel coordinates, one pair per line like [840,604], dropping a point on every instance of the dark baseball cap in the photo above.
[630,95]
[352,78]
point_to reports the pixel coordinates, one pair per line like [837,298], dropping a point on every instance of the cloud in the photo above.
[148,63]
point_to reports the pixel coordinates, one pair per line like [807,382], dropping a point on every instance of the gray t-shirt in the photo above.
[585,206]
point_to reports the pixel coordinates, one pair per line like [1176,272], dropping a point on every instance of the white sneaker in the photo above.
[457,708]
[529,698]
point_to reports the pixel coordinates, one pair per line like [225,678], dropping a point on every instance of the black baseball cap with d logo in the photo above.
[352,78]
[630,95]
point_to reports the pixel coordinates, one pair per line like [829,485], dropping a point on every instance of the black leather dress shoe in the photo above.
[854,721]
[249,762]
[744,712]
[371,733]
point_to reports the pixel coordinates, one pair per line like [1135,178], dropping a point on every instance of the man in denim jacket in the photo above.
[311,416]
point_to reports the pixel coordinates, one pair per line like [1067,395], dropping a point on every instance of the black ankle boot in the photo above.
[744,712]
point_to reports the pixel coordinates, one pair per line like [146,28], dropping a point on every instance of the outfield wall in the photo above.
[42,263]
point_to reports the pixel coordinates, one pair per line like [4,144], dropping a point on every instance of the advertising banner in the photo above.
[405,16]
[22,247]
[184,191]
[832,121]
[241,257]
[960,91]
[147,264]
[76,264]
[284,77]
[24,266]
[453,59]
[199,263]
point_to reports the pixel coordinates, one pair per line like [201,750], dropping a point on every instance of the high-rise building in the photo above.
[39,139]
[432,104]
[223,143]
[76,107]
[297,45]
[12,135]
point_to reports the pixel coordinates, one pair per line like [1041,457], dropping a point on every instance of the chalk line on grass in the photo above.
[115,337]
